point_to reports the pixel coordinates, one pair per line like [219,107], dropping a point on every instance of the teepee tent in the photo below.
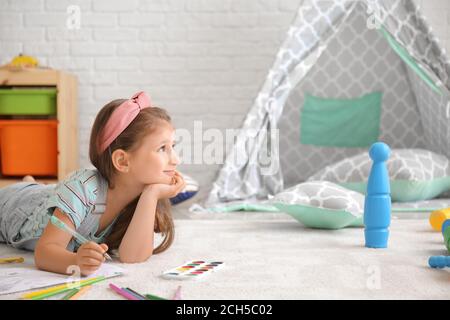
[339,49]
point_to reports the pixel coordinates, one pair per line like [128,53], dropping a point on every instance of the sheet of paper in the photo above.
[28,278]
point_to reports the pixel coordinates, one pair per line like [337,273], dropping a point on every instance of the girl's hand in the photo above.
[90,257]
[167,191]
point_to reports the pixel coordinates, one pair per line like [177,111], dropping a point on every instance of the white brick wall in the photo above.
[200,59]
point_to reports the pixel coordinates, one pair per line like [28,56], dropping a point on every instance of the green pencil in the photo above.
[49,294]
[153,297]
[70,294]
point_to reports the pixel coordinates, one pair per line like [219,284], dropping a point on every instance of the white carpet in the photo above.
[268,258]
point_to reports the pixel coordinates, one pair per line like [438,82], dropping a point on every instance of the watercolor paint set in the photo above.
[194,269]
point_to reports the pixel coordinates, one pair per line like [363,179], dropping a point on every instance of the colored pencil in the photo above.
[123,293]
[80,292]
[12,260]
[70,294]
[58,223]
[56,288]
[154,297]
[137,295]
[177,295]
[52,293]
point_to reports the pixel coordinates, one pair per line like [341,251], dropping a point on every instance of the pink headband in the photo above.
[122,117]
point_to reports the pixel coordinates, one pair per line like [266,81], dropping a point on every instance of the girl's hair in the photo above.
[130,139]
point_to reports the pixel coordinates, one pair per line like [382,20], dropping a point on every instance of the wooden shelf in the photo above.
[66,113]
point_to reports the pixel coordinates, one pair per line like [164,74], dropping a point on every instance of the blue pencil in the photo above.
[134,293]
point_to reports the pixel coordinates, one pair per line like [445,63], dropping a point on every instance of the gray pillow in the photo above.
[321,204]
[415,174]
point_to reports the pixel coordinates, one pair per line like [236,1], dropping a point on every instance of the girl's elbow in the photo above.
[125,258]
[38,260]
[133,260]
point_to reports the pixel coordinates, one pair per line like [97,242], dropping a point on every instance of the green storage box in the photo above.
[28,101]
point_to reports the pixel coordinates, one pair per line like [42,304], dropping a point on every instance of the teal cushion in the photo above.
[322,204]
[406,191]
[321,218]
[341,122]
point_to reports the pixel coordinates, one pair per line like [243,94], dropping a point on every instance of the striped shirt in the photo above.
[26,208]
[83,193]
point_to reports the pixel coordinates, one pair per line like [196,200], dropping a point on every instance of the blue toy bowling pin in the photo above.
[377,204]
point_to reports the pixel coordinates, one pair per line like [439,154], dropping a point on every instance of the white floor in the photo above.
[272,256]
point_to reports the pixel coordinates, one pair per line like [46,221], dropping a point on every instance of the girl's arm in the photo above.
[137,243]
[50,253]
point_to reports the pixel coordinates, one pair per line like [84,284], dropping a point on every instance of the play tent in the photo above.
[339,49]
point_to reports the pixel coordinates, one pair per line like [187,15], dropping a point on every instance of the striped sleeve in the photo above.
[71,197]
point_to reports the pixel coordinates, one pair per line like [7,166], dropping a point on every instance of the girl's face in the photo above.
[155,160]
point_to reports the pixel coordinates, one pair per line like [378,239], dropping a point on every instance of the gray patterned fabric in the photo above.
[334,49]
[357,61]
[403,164]
[324,195]
[433,110]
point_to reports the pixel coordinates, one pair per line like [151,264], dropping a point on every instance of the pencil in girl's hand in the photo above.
[58,223]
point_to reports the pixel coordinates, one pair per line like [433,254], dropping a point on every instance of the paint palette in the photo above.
[194,269]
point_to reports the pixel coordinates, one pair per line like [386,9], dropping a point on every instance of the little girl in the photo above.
[119,205]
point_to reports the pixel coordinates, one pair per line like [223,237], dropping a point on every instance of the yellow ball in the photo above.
[438,217]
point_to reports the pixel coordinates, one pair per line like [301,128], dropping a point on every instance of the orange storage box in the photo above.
[28,147]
